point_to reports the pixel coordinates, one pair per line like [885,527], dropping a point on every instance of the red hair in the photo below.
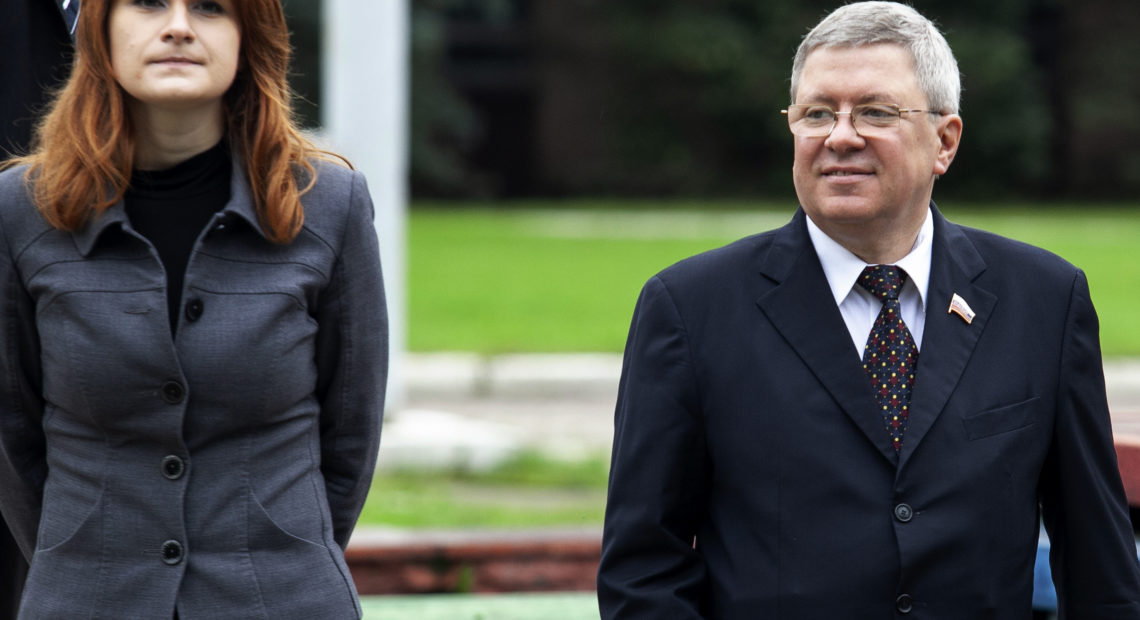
[83,150]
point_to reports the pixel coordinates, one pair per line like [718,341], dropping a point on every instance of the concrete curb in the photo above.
[546,375]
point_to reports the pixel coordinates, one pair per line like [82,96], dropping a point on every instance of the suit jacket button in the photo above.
[904,604]
[904,513]
[173,467]
[172,552]
[173,392]
[194,309]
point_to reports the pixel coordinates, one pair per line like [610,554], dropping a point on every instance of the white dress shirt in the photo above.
[858,306]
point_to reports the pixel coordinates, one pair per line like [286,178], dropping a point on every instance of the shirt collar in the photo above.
[842,268]
[240,206]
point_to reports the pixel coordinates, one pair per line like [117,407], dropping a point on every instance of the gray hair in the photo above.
[867,23]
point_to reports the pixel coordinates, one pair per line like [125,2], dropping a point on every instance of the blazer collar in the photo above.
[240,206]
[802,308]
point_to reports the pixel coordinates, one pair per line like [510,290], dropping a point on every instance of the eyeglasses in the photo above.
[814,120]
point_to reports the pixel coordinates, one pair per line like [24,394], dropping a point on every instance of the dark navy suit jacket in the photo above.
[752,477]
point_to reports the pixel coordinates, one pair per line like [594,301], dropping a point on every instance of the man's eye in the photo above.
[877,113]
[819,114]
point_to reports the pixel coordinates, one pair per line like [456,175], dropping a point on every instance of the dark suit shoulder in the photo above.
[1017,259]
[732,276]
[712,267]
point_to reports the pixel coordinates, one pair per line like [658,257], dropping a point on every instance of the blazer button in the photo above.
[173,467]
[194,309]
[173,392]
[904,604]
[172,552]
[904,513]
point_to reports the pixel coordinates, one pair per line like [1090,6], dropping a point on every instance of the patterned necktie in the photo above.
[890,355]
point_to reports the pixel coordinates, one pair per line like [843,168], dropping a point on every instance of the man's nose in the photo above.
[844,136]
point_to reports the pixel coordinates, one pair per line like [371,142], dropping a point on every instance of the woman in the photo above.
[192,330]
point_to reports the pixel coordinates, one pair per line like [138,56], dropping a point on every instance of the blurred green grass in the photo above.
[548,276]
[527,490]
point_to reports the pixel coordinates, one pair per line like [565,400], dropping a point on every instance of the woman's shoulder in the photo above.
[13,182]
[21,223]
[334,178]
[339,198]
[16,202]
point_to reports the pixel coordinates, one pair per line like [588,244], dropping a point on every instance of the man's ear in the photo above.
[949,135]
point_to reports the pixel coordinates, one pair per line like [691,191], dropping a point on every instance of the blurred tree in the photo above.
[682,97]
[1098,69]
[444,127]
[698,91]
[1005,149]
[719,72]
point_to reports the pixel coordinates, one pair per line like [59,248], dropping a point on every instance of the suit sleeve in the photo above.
[649,567]
[352,365]
[23,460]
[1093,551]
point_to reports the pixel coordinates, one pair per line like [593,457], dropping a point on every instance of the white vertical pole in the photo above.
[365,115]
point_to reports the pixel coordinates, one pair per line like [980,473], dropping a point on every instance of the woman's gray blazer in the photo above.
[221,471]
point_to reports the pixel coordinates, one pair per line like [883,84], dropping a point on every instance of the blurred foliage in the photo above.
[443,127]
[682,97]
[719,73]
[716,77]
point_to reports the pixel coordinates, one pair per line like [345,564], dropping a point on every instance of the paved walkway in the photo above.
[1123,381]
[470,410]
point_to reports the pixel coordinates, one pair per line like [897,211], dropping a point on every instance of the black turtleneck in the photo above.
[171,207]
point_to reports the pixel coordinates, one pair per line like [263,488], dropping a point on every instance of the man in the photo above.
[36,45]
[861,415]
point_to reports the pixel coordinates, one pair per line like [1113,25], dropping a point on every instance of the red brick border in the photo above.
[500,563]
[1128,457]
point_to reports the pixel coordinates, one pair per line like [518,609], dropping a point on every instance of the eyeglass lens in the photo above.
[808,120]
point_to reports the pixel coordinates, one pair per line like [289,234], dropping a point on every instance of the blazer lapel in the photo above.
[802,309]
[948,341]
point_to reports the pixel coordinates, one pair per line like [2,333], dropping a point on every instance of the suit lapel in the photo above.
[802,309]
[948,341]
[69,9]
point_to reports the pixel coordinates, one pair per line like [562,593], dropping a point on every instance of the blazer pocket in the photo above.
[1001,420]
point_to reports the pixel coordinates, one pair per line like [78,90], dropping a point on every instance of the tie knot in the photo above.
[883,281]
